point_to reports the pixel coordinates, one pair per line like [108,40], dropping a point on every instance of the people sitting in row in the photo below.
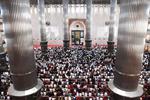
[78,74]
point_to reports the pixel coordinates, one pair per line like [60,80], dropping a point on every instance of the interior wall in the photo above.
[54,15]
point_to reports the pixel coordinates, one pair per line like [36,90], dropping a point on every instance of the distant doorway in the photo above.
[77,37]
[77,32]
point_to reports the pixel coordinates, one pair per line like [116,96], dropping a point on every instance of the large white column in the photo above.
[66,31]
[3,67]
[88,41]
[17,27]
[113,5]
[131,35]
[41,9]
[1,44]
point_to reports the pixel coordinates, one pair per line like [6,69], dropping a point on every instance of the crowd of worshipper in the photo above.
[78,74]
[75,73]
[4,77]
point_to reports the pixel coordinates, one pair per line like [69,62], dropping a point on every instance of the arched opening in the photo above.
[77,33]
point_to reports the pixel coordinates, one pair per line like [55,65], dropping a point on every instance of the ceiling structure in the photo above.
[34,2]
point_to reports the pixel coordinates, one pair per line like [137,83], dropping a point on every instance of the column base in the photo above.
[88,44]
[110,46]
[43,46]
[66,44]
[114,96]
[15,93]
[35,96]
[118,93]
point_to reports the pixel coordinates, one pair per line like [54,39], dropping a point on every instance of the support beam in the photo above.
[66,40]
[17,27]
[88,41]
[113,4]
[41,9]
[132,29]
